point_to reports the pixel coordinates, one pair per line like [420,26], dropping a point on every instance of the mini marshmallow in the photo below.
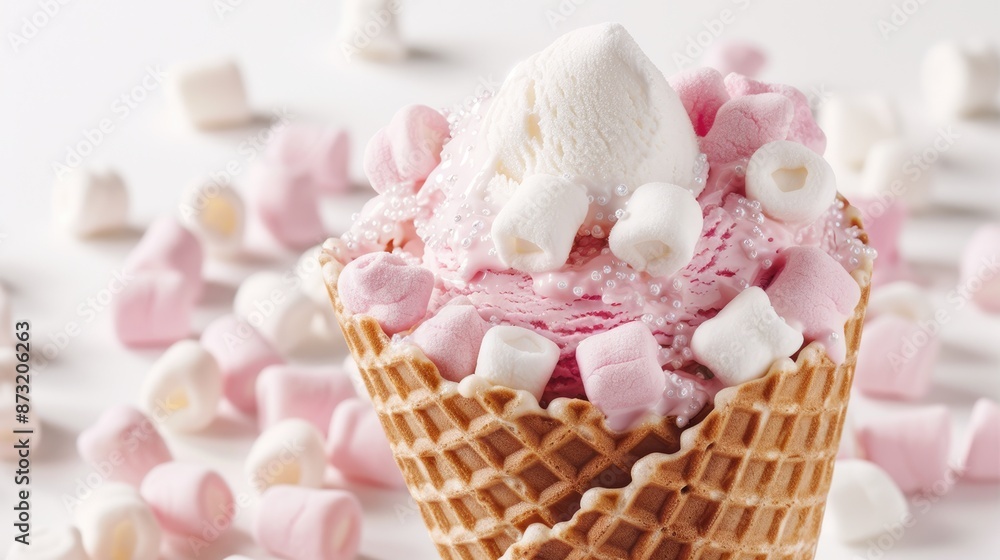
[911,445]
[280,311]
[889,169]
[864,501]
[814,294]
[358,447]
[358,17]
[303,524]
[744,124]
[187,499]
[115,523]
[854,124]
[8,424]
[87,203]
[803,128]
[242,353]
[287,204]
[309,393]
[183,388]
[621,372]
[534,231]
[792,183]
[451,339]
[659,230]
[289,452]
[215,213]
[320,154]
[895,359]
[960,80]
[979,267]
[211,94]
[517,358]
[407,150]
[383,286]
[742,57]
[123,445]
[902,299]
[167,245]
[50,544]
[702,91]
[744,339]
[980,456]
[155,308]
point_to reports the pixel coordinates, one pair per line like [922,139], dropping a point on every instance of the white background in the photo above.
[68,75]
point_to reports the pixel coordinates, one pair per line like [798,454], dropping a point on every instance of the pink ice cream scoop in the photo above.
[385,287]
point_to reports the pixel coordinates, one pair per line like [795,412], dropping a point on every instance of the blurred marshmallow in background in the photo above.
[49,543]
[736,55]
[961,79]
[863,501]
[211,93]
[183,388]
[116,523]
[980,269]
[280,310]
[853,124]
[86,202]
[215,213]
[370,29]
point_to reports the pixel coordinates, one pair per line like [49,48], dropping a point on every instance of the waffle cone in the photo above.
[494,475]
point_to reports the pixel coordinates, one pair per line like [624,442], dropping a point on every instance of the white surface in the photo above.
[75,70]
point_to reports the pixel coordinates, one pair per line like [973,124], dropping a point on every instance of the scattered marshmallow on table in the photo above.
[308,524]
[216,214]
[961,79]
[383,286]
[123,445]
[8,423]
[116,523]
[912,445]
[853,124]
[289,452]
[451,339]
[168,245]
[188,499]
[517,358]
[211,93]
[50,543]
[242,353]
[792,183]
[276,306]
[183,388]
[980,454]
[803,128]
[979,275]
[87,203]
[155,308]
[369,29]
[358,448]
[890,169]
[287,203]
[320,154]
[744,339]
[659,230]
[903,299]
[621,372]
[406,151]
[307,392]
[740,56]
[746,123]
[895,359]
[535,229]
[863,501]
[703,92]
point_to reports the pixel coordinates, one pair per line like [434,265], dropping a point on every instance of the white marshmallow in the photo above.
[904,299]
[87,203]
[659,230]
[534,231]
[863,501]
[9,423]
[279,309]
[116,524]
[517,358]
[311,273]
[211,93]
[792,183]
[215,213]
[289,452]
[358,17]
[50,544]
[889,169]
[960,80]
[853,124]
[744,339]
[183,388]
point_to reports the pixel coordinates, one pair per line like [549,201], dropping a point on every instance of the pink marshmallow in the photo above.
[621,372]
[742,57]
[406,151]
[803,128]
[153,309]
[702,91]
[286,201]
[189,500]
[169,246]
[883,220]
[814,294]
[320,154]
[744,124]
[309,393]
[300,523]
[895,359]
[123,445]
[980,268]
[451,340]
[358,448]
[385,287]
[242,353]
[911,445]
[980,459]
